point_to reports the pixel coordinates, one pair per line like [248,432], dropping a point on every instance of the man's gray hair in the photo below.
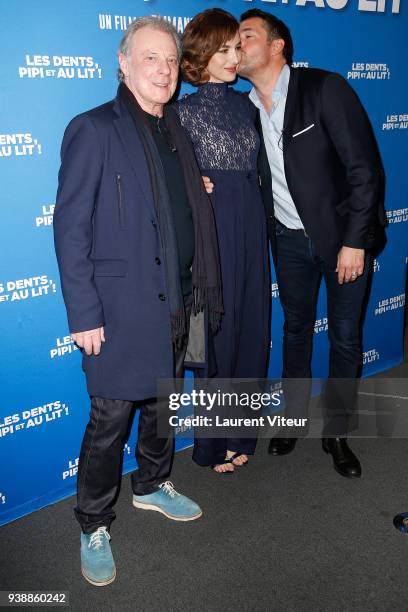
[151,21]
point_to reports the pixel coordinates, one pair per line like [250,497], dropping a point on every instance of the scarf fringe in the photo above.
[178,327]
[210,297]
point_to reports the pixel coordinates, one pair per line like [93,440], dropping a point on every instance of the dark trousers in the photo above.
[299,272]
[100,460]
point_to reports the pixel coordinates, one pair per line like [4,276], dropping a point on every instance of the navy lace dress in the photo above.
[220,122]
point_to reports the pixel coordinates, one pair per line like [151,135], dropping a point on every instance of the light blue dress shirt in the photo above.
[272,129]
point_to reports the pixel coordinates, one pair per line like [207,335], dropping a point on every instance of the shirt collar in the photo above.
[280,89]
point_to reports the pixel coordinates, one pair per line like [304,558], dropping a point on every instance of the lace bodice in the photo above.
[220,122]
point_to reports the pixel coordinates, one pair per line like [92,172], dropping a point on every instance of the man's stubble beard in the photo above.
[245,71]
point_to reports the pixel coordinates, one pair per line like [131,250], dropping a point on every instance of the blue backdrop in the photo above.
[59,59]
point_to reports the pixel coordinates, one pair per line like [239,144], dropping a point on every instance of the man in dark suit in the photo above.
[321,180]
[135,240]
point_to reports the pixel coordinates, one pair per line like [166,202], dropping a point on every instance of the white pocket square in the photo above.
[309,127]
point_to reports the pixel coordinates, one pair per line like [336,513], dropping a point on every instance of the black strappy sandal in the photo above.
[234,456]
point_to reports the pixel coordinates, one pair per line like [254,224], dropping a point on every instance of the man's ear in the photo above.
[277,46]
[123,63]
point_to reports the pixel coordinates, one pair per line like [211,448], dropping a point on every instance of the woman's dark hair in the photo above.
[275,29]
[203,36]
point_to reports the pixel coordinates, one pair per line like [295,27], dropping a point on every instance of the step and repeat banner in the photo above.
[58,60]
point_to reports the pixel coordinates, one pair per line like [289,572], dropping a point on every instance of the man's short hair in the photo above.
[275,29]
[153,22]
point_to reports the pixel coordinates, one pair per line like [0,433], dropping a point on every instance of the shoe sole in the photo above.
[98,584]
[344,474]
[169,516]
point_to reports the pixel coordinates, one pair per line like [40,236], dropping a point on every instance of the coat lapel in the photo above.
[134,150]
[290,108]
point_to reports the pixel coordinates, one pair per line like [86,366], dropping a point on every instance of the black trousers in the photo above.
[299,272]
[100,460]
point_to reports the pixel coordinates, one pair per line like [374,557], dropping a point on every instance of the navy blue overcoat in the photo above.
[110,256]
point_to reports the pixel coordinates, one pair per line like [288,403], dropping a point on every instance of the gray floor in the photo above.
[285,533]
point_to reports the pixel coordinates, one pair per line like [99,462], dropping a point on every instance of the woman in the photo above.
[220,123]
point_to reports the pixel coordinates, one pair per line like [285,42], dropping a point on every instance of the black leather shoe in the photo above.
[344,460]
[281,446]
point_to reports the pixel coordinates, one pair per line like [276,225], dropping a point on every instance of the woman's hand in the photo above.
[208,185]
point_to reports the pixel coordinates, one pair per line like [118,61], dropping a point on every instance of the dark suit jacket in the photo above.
[332,166]
[109,251]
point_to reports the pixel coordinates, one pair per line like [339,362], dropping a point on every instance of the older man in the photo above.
[321,184]
[135,241]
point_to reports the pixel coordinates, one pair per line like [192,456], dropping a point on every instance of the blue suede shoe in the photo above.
[170,503]
[97,564]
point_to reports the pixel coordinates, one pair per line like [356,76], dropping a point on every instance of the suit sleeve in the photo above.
[350,131]
[78,183]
